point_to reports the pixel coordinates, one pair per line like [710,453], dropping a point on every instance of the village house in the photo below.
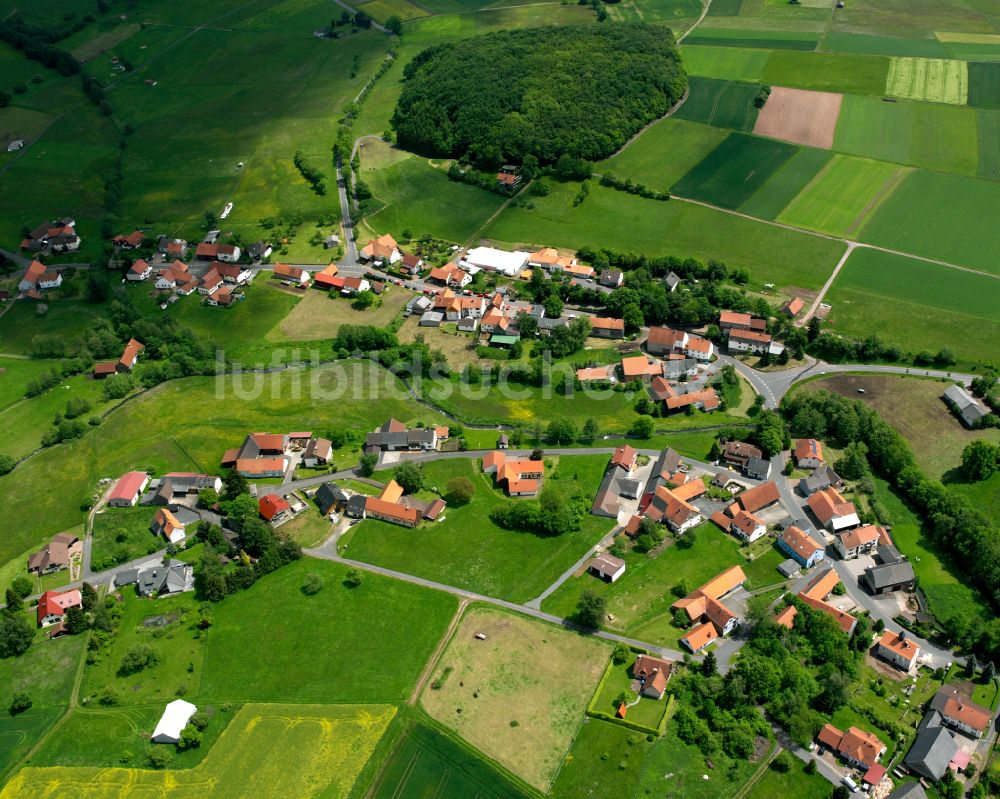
[612,278]
[260,455]
[832,511]
[172,248]
[815,594]
[607,567]
[128,489]
[652,673]
[130,242]
[897,649]
[808,453]
[166,524]
[450,275]
[616,483]
[786,617]
[324,279]
[180,483]
[274,508]
[672,281]
[139,271]
[801,547]
[259,250]
[232,273]
[859,748]
[37,278]
[226,295]
[639,367]
[934,750]
[394,436]
[703,606]
[382,250]
[55,555]
[969,409]
[58,236]
[318,452]
[206,251]
[792,307]
[605,327]
[732,320]
[509,177]
[550,260]
[412,265]
[520,478]
[857,541]
[756,499]
[822,478]
[672,506]
[960,713]
[752,341]
[590,374]
[704,399]
[176,275]
[889,576]
[291,275]
[52,606]
[228,253]
[456,307]
[738,453]
[747,527]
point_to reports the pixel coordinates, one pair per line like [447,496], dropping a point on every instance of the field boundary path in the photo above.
[353,11]
[432,661]
[851,246]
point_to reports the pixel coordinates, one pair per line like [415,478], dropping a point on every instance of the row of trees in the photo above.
[553,514]
[951,520]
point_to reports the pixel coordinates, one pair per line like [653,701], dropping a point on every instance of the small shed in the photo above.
[431,319]
[788,567]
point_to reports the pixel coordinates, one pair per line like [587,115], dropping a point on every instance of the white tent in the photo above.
[508,263]
[174,719]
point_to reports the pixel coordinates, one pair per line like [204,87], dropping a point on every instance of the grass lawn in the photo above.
[319,315]
[15,373]
[123,534]
[64,318]
[792,784]
[913,406]
[528,672]
[773,255]
[426,762]
[648,712]
[603,754]
[842,197]
[940,216]
[641,599]
[899,290]
[763,570]
[186,425]
[166,625]
[420,197]
[986,692]
[469,551]
[985,494]
[379,616]
[330,745]
[664,153]
[988,128]
[308,528]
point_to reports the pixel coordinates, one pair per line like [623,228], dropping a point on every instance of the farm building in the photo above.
[607,567]
[174,719]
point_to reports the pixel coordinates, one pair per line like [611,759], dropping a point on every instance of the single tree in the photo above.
[459,491]
[410,476]
[89,596]
[312,585]
[20,702]
[16,635]
[76,621]
[590,609]
[591,430]
[709,666]
[366,466]
[14,602]
[354,578]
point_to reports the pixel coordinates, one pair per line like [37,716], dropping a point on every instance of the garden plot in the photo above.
[936,80]
[800,116]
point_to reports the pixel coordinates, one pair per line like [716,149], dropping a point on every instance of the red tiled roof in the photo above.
[128,485]
[56,604]
[270,505]
[759,497]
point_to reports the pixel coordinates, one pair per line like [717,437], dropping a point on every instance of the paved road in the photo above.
[472,596]
[350,245]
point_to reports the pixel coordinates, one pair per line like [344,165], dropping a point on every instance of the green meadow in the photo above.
[786,183]
[725,63]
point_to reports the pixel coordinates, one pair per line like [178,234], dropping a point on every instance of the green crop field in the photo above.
[934,79]
[381,10]
[841,42]
[680,12]
[733,171]
[422,198]
[785,184]
[723,103]
[920,306]
[935,136]
[725,8]
[330,745]
[844,195]
[940,216]
[773,255]
[427,763]
[664,153]
[725,63]
[984,84]
[850,74]
[469,551]
[379,616]
[769,39]
[988,126]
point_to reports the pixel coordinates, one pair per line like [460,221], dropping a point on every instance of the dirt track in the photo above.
[800,117]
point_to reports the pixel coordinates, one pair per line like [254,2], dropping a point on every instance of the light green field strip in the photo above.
[843,195]
[937,80]
[968,38]
[729,63]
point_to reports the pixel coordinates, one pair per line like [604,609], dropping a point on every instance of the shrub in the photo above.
[313,584]
[20,702]
[159,757]
[137,658]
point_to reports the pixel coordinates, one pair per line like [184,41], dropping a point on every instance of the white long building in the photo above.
[493,260]
[174,719]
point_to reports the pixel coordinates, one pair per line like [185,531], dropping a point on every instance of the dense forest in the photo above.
[545,92]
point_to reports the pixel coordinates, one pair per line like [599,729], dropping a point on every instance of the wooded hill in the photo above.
[575,90]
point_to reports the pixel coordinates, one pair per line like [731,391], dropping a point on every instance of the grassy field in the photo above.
[469,551]
[936,80]
[725,63]
[319,315]
[123,534]
[723,103]
[771,39]
[308,528]
[984,494]
[850,74]
[427,763]
[785,184]
[167,626]
[366,622]
[66,318]
[841,42]
[678,12]
[587,772]
[421,198]
[330,745]
[773,255]
[940,216]
[381,10]
[528,672]
[15,373]
[641,599]
[934,136]
[984,84]
[187,425]
[913,406]
[735,170]
[988,129]
[664,153]
[842,197]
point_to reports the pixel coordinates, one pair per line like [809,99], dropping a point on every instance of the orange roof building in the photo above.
[703,604]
